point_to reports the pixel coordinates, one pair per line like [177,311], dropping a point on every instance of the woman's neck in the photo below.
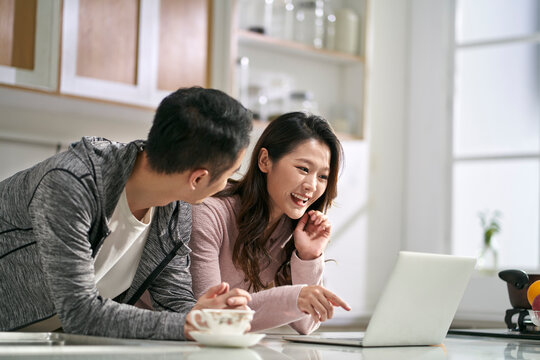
[272,224]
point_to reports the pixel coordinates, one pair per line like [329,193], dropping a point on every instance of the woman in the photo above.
[267,232]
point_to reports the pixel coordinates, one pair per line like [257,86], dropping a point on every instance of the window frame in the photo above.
[455,48]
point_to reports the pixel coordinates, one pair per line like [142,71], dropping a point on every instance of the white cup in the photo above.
[222,321]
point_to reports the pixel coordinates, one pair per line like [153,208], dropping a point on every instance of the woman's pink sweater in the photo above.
[212,240]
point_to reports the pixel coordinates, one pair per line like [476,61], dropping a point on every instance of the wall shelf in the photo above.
[295,48]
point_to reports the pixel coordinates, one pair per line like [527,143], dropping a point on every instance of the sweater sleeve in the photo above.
[311,273]
[172,290]
[279,306]
[62,212]
[206,238]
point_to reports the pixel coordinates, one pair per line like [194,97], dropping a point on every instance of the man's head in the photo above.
[197,128]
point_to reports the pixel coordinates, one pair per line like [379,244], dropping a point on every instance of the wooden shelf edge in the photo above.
[261,125]
[252,38]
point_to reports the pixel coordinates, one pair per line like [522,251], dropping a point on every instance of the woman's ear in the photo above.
[264,161]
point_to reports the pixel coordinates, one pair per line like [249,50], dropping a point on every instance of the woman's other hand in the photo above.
[319,302]
[311,235]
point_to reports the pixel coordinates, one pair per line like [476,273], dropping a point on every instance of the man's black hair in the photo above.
[197,128]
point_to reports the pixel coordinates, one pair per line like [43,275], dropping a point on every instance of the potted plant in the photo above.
[489,258]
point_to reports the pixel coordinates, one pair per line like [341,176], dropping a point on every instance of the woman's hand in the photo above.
[319,302]
[311,235]
[218,297]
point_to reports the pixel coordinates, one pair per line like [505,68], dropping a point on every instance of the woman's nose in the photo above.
[310,183]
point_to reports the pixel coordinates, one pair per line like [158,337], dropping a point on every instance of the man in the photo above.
[84,233]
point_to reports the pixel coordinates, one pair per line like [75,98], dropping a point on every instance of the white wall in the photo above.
[369,230]
[347,274]
[33,125]
[427,148]
[386,107]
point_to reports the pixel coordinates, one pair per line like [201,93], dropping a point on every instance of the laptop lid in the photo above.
[417,304]
[420,299]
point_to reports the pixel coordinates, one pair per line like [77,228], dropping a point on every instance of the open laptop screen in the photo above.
[417,304]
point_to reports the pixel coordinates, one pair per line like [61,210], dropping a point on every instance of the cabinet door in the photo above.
[29,38]
[184,47]
[183,43]
[133,51]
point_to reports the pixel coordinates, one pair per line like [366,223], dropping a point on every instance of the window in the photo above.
[496,127]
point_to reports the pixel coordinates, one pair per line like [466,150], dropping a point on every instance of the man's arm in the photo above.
[172,288]
[62,212]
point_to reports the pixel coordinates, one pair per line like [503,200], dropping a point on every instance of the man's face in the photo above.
[210,186]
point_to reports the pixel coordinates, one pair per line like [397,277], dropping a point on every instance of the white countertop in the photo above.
[272,347]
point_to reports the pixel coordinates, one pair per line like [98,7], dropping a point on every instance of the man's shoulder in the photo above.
[95,148]
[111,161]
[185,210]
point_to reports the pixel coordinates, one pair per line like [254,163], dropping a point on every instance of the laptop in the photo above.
[417,304]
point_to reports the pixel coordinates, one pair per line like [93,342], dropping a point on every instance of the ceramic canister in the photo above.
[346,25]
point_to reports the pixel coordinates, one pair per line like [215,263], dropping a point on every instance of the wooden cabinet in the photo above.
[134,51]
[183,46]
[127,51]
[29,39]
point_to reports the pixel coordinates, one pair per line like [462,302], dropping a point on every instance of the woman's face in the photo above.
[296,180]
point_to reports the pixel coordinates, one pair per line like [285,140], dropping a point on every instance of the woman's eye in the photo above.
[302,168]
[324,177]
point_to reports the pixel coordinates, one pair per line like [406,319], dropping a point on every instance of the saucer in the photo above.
[227,340]
[213,353]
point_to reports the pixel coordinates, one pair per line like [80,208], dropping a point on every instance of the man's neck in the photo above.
[146,188]
[139,214]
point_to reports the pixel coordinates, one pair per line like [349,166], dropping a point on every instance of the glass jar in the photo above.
[303,101]
[255,15]
[242,80]
[309,22]
[344,117]
[282,19]
[329,26]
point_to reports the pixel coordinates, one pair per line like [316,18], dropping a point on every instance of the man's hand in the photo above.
[218,297]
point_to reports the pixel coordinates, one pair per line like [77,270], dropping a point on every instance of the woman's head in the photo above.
[295,163]
[271,187]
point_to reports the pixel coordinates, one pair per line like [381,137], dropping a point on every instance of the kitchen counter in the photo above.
[271,347]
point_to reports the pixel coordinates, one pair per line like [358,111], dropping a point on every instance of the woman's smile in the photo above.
[299,200]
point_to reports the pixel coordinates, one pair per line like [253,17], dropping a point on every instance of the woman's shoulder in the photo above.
[223,207]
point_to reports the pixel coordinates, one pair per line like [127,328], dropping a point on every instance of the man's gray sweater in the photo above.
[53,219]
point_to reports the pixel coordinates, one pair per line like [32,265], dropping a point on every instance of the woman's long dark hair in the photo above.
[280,138]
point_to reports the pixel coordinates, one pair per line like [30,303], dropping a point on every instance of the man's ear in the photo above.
[196,177]
[264,160]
